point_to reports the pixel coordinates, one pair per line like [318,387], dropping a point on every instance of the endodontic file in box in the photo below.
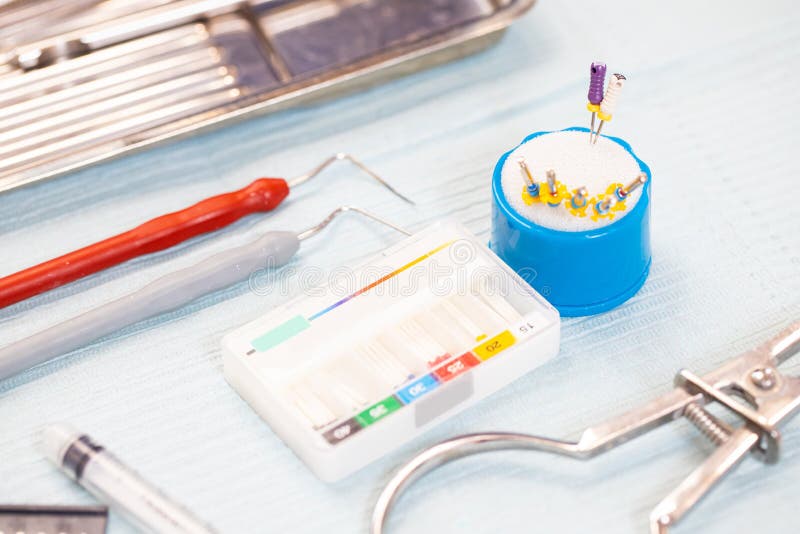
[426,328]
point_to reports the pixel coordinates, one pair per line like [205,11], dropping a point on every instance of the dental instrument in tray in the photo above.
[609,103]
[211,214]
[164,294]
[749,386]
[353,369]
[88,80]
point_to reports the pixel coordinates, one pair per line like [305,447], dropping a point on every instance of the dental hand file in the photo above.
[209,215]
[165,294]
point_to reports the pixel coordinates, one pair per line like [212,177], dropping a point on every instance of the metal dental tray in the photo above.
[88,80]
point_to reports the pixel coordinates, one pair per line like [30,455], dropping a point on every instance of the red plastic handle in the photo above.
[157,234]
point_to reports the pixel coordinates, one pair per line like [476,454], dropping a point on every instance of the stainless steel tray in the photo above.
[88,80]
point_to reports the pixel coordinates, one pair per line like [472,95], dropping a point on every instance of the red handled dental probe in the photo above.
[264,194]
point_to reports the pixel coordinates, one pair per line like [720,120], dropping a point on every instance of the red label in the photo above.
[455,367]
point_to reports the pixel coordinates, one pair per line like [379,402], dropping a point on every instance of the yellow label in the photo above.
[494,346]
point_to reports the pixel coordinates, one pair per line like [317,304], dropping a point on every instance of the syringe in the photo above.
[105,477]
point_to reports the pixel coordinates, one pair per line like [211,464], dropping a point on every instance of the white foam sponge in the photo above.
[577,164]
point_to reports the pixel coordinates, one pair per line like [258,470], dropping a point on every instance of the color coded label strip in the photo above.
[381,280]
[420,387]
[297,324]
[280,333]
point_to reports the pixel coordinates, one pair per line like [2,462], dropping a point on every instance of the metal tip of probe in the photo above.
[314,230]
[341,156]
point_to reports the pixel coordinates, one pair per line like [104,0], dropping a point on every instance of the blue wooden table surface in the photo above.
[710,105]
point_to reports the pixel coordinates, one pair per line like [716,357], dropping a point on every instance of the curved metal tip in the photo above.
[342,156]
[314,230]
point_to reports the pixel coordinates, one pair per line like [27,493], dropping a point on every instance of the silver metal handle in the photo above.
[125,28]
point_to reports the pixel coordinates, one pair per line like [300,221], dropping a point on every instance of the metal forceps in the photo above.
[750,386]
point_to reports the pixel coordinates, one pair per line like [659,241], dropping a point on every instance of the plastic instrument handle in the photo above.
[165,294]
[157,234]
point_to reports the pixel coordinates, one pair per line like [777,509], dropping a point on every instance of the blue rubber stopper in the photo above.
[580,273]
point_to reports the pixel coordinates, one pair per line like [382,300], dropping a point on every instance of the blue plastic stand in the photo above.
[580,273]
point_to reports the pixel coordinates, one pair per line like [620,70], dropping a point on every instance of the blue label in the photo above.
[418,388]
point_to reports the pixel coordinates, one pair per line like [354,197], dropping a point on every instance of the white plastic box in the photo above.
[433,324]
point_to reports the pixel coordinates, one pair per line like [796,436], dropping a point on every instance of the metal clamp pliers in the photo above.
[750,386]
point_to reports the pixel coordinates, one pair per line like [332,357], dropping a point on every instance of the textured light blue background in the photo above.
[711,105]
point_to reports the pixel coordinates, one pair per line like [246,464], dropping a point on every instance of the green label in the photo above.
[379,411]
[281,333]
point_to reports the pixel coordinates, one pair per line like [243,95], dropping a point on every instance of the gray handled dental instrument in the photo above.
[165,294]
